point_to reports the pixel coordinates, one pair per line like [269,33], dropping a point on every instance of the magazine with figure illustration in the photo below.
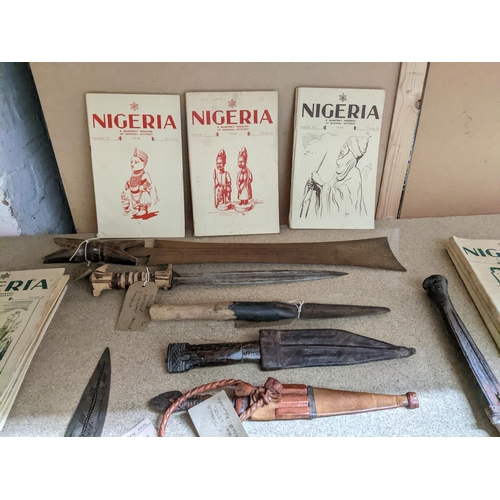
[233,162]
[136,149]
[335,158]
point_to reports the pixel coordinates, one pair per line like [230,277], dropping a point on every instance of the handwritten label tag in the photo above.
[143,429]
[216,417]
[135,311]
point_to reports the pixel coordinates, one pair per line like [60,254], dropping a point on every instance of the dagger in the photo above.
[90,414]
[279,349]
[371,252]
[167,279]
[251,313]
[436,287]
[300,401]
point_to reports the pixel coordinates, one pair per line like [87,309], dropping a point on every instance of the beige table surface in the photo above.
[451,403]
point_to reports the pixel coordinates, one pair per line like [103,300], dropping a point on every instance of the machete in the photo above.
[371,252]
[88,419]
[278,349]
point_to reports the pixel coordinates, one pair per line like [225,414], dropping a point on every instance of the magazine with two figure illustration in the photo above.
[136,152]
[478,263]
[233,162]
[335,157]
[28,300]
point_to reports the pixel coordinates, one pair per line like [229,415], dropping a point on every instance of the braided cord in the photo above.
[259,395]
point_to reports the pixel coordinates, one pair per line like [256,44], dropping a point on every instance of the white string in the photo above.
[85,252]
[298,303]
[147,277]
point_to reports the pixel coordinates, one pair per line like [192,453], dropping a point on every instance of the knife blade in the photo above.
[166,279]
[90,414]
[279,349]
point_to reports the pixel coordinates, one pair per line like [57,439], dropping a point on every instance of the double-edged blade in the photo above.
[253,277]
[88,419]
[102,279]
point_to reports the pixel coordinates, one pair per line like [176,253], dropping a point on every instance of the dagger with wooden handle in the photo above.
[437,288]
[300,401]
[371,252]
[278,349]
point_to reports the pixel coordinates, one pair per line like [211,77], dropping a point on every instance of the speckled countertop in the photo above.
[451,403]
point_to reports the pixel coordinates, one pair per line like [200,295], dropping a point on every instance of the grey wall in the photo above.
[32,199]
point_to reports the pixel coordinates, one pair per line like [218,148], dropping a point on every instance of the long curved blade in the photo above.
[253,277]
[88,419]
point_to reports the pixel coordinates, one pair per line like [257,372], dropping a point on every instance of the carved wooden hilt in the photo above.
[101,279]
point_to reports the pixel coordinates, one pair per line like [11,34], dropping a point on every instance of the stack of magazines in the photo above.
[478,263]
[28,302]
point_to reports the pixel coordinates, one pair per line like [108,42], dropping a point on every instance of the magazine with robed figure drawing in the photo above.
[136,150]
[233,162]
[335,158]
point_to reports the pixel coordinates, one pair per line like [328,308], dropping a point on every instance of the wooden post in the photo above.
[408,96]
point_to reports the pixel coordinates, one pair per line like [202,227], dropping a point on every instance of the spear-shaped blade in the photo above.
[88,419]
[279,349]
[101,279]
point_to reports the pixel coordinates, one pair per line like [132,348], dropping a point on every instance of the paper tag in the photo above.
[216,417]
[135,311]
[143,429]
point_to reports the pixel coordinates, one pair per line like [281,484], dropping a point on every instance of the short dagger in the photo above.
[279,349]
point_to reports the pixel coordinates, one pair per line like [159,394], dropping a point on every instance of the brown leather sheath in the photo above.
[302,401]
